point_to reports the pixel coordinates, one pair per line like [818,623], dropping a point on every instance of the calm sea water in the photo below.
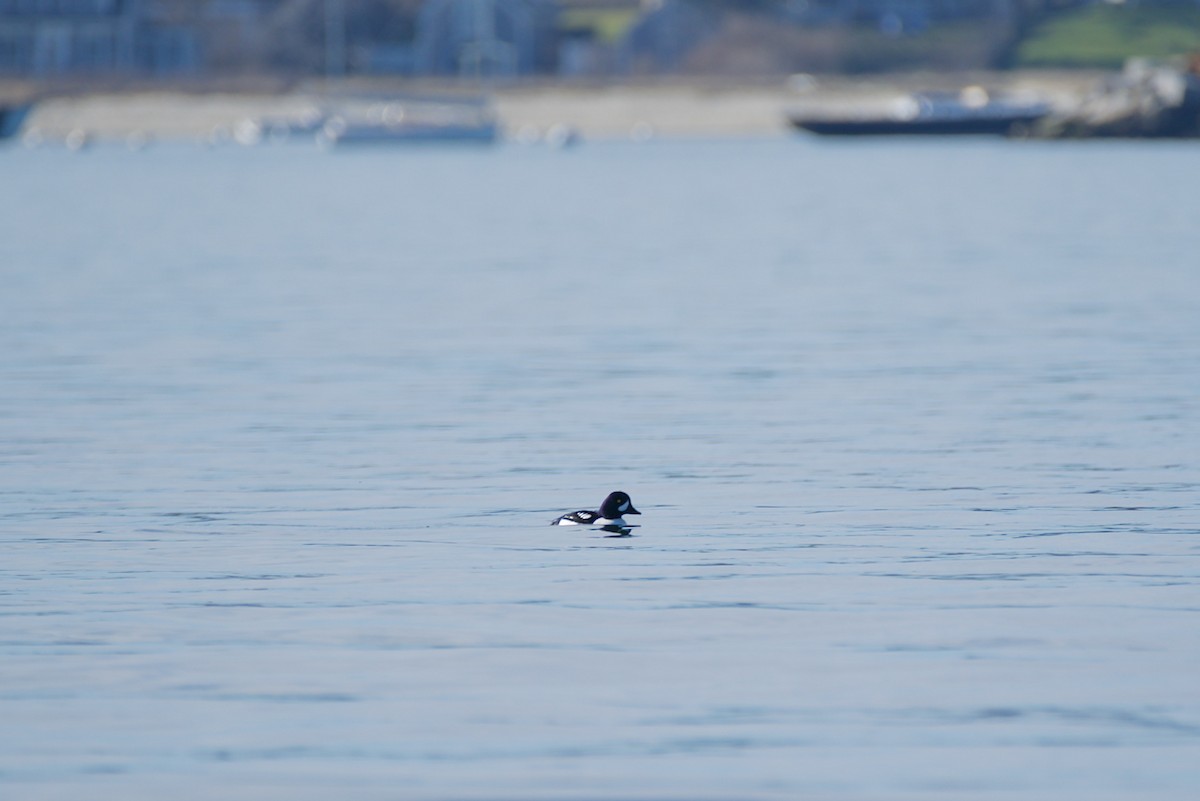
[914,428]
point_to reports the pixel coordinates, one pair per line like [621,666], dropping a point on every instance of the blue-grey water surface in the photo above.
[913,427]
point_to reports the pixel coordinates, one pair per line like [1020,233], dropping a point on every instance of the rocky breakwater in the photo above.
[1144,101]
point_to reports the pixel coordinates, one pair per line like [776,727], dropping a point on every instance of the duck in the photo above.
[609,517]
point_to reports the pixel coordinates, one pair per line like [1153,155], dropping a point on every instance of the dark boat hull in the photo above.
[11,118]
[415,134]
[999,125]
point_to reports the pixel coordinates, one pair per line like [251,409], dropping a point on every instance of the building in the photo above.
[590,33]
[485,37]
[48,38]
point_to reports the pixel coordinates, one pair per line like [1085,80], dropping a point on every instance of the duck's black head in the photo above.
[616,505]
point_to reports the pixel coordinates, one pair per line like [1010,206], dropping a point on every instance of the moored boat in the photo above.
[11,117]
[972,111]
[412,121]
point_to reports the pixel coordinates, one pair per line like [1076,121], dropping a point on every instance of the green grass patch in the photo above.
[1107,35]
[609,25]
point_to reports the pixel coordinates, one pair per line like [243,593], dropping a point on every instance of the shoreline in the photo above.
[673,108]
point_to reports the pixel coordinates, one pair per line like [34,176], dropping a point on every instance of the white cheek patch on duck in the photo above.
[624,507]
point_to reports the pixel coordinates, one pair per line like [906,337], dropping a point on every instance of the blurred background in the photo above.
[686,66]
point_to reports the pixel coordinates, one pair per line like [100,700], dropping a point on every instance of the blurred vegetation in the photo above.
[609,25]
[1107,35]
[743,37]
[757,44]
[949,45]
